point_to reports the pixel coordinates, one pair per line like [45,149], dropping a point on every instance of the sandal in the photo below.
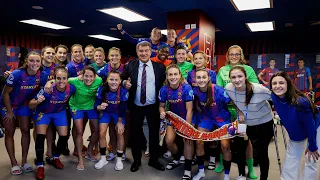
[172,165]
[90,157]
[80,167]
[16,170]
[27,168]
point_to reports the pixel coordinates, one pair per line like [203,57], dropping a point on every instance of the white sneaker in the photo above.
[119,165]
[241,178]
[102,162]
[226,177]
[199,176]
[147,153]
[167,155]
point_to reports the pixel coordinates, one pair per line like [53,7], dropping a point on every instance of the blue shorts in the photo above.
[106,118]
[20,111]
[58,119]
[80,114]
[210,124]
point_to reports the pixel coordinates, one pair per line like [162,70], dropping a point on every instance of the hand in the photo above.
[310,88]
[48,87]
[80,77]
[266,83]
[162,115]
[120,128]
[315,155]
[6,74]
[40,99]
[241,119]
[128,84]
[119,27]
[102,106]
[8,117]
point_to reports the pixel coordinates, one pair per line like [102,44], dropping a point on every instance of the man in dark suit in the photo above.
[144,78]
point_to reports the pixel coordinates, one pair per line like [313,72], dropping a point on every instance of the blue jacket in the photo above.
[299,120]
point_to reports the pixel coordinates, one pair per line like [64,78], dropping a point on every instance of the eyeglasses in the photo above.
[235,55]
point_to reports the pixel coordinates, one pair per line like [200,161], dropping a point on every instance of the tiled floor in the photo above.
[108,172]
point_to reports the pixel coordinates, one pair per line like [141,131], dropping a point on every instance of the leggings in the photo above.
[260,136]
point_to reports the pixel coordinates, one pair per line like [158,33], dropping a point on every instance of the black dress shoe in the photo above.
[156,165]
[135,166]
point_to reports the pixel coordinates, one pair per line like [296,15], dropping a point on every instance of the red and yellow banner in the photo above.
[186,130]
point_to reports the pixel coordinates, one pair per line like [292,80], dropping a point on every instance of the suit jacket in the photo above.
[132,69]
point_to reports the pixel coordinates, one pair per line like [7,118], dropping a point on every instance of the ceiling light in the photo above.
[103,37]
[243,5]
[164,32]
[44,24]
[125,14]
[37,7]
[261,26]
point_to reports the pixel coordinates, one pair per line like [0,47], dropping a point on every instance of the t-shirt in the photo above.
[172,50]
[74,68]
[56,101]
[165,62]
[50,71]
[176,98]
[218,110]
[114,100]
[191,79]
[25,87]
[185,68]
[223,75]
[269,72]
[258,111]
[301,78]
[103,72]
[96,67]
[85,95]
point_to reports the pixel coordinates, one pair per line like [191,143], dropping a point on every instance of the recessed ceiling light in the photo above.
[125,14]
[244,5]
[315,23]
[113,29]
[164,32]
[103,37]
[217,30]
[261,26]
[44,24]
[37,7]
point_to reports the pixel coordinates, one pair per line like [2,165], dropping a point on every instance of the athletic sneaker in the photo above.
[167,155]
[102,162]
[241,178]
[119,165]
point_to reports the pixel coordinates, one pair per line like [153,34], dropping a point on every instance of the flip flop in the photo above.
[80,167]
[27,168]
[16,170]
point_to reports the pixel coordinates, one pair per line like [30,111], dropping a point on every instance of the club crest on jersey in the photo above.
[179,94]
[37,80]
[40,116]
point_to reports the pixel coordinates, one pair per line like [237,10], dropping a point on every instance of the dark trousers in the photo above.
[260,136]
[151,112]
